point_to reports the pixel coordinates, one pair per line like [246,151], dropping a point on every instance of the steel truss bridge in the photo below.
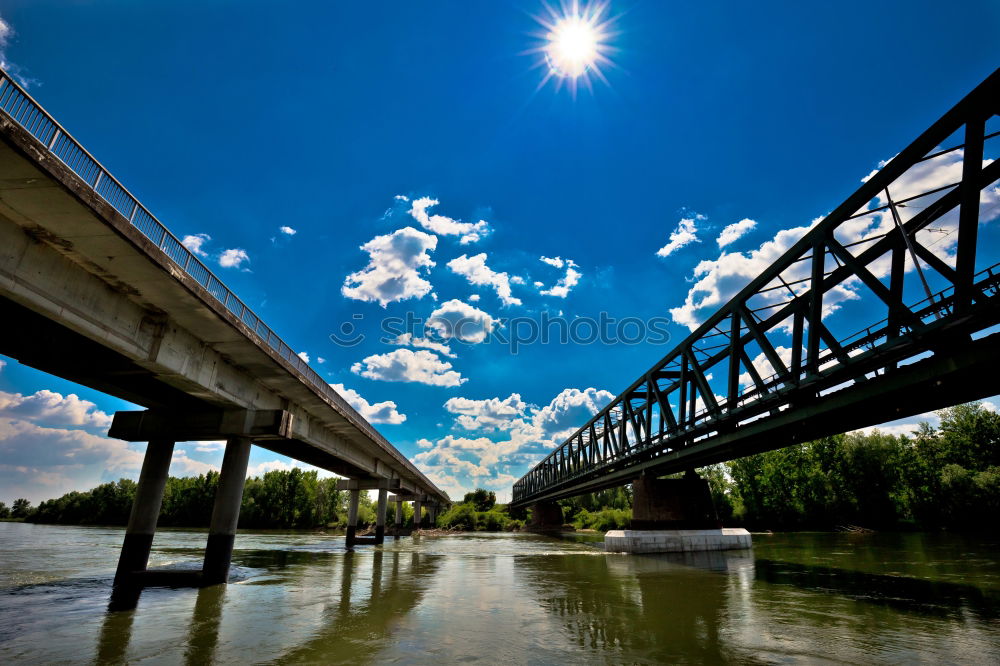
[786,359]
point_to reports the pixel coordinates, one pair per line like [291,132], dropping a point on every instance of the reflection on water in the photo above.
[303,598]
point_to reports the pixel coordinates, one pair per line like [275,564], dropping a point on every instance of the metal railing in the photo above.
[17,104]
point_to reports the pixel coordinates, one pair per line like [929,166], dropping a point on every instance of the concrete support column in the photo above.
[145,509]
[226,511]
[352,516]
[417,509]
[399,514]
[680,504]
[383,500]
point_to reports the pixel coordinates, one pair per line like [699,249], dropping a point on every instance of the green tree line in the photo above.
[278,499]
[936,478]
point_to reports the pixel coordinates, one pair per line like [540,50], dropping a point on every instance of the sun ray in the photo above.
[573,44]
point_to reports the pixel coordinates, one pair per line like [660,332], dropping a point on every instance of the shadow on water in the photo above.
[902,593]
[375,591]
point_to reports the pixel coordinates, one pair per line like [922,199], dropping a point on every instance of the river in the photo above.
[506,598]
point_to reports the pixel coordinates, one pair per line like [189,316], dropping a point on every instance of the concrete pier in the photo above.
[226,511]
[418,507]
[545,517]
[145,510]
[352,515]
[674,515]
[383,497]
[398,524]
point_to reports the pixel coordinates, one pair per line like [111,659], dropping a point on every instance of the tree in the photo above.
[4,511]
[481,499]
[20,509]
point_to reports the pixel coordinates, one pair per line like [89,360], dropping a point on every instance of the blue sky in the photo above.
[344,121]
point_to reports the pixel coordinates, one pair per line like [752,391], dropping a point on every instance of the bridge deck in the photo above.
[102,294]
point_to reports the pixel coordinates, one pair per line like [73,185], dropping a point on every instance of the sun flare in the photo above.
[574,43]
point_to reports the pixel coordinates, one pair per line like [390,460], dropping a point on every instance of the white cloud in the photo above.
[41,463]
[487,415]
[475,270]
[685,234]
[3,364]
[405,365]
[401,197]
[472,297]
[459,464]
[320,359]
[210,446]
[566,282]
[552,261]
[569,410]
[233,258]
[394,266]
[734,231]
[446,226]
[304,356]
[182,465]
[194,242]
[53,408]
[379,412]
[15,70]
[409,340]
[459,320]
[288,231]
[262,468]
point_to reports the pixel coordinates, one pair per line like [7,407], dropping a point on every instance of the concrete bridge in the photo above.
[860,322]
[94,289]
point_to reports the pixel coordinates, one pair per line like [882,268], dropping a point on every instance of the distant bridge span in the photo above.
[94,289]
[790,358]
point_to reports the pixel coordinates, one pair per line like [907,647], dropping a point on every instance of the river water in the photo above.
[506,598]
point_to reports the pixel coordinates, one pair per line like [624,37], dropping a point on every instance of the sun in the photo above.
[574,43]
[572,48]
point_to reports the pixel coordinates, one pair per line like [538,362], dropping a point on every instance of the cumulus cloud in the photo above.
[475,270]
[472,297]
[182,465]
[379,412]
[262,468]
[410,340]
[572,277]
[405,365]
[40,462]
[234,258]
[469,232]
[288,231]
[53,408]
[489,414]
[685,234]
[195,243]
[460,463]
[394,268]
[304,356]
[459,320]
[734,231]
